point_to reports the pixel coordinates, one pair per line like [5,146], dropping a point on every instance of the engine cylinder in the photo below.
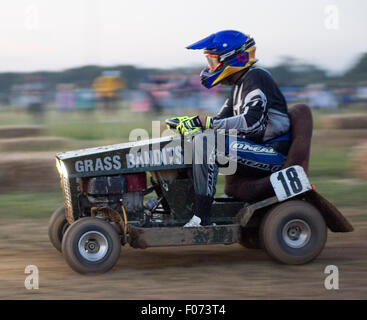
[107,185]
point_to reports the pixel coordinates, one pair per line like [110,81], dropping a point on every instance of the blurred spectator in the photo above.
[291,93]
[84,97]
[317,96]
[107,88]
[30,95]
[65,97]
[361,92]
[4,99]
[157,87]
[140,101]
[344,95]
[174,92]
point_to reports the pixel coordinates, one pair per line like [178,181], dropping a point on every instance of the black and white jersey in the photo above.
[256,108]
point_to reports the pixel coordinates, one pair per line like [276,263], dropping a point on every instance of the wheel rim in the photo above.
[296,233]
[93,246]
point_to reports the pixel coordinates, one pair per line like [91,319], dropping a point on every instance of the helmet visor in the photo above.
[213,61]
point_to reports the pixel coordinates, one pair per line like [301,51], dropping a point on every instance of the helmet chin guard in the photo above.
[227,52]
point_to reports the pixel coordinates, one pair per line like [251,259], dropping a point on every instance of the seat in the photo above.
[250,189]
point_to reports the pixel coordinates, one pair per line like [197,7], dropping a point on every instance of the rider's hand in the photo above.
[188,125]
[206,122]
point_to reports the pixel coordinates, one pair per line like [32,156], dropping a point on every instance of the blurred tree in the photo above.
[358,72]
[84,74]
[8,79]
[291,72]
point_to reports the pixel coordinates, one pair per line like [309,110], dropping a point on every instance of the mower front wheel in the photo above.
[57,227]
[91,245]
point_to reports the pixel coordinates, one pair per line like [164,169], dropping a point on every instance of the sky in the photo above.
[59,34]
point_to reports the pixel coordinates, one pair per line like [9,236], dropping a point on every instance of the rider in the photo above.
[255,108]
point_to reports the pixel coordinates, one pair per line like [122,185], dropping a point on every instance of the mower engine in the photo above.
[117,190]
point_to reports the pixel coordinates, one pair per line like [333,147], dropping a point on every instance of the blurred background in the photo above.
[76,74]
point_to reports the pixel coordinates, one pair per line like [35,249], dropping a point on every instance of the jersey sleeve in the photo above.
[250,109]
[225,112]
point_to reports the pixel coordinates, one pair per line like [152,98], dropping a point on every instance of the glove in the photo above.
[172,123]
[188,125]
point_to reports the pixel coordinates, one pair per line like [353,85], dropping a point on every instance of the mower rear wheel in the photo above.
[293,232]
[250,238]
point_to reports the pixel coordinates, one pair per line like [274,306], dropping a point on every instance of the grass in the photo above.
[100,125]
[342,192]
[95,125]
[330,162]
[29,205]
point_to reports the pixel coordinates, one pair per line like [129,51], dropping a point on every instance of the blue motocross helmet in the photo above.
[227,52]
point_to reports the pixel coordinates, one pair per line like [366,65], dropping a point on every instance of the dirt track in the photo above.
[204,272]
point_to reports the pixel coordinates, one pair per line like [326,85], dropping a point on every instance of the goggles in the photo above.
[213,61]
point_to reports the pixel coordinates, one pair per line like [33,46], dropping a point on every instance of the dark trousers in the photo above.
[214,152]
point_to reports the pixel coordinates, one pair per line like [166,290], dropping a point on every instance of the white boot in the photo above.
[194,222]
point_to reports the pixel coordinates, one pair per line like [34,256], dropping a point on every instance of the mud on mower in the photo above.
[108,203]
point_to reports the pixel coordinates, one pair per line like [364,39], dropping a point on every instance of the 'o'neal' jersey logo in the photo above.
[247,147]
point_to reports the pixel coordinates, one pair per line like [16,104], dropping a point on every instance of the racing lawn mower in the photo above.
[115,195]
